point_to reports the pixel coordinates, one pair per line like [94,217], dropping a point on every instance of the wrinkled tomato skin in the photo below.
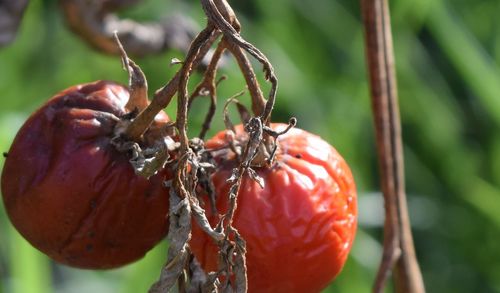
[71,194]
[300,227]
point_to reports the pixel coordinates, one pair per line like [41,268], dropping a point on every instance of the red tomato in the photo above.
[71,194]
[300,227]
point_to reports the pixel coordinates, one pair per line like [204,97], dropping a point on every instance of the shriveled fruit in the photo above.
[71,194]
[300,227]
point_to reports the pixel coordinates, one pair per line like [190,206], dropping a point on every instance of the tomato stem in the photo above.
[398,243]
[163,97]
[258,101]
[208,87]
[221,19]
[183,100]
[231,34]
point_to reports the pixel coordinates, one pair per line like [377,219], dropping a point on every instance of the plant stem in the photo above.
[231,34]
[398,243]
[258,101]
[95,21]
[183,99]
[163,97]
[208,85]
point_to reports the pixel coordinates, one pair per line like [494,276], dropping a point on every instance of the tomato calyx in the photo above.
[149,145]
[148,161]
[152,152]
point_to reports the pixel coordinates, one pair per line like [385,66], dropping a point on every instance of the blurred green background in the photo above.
[448,56]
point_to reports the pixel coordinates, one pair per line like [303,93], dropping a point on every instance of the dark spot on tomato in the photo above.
[298,156]
[93,204]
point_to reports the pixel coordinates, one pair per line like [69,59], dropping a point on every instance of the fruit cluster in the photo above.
[99,175]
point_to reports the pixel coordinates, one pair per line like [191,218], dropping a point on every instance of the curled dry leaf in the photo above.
[178,236]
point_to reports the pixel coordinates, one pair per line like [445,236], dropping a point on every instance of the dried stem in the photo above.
[11,14]
[163,96]
[208,86]
[95,22]
[258,101]
[255,130]
[398,242]
[232,35]
[183,100]
[193,165]
[238,265]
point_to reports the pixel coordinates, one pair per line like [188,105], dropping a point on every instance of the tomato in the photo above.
[71,194]
[300,227]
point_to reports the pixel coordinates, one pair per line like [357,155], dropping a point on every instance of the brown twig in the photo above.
[164,95]
[183,99]
[193,165]
[95,22]
[11,14]
[232,34]
[398,242]
[208,87]
[238,265]
[255,131]
[258,101]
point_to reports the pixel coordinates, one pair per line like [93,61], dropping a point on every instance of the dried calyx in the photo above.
[149,153]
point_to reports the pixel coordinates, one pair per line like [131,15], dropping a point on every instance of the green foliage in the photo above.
[448,58]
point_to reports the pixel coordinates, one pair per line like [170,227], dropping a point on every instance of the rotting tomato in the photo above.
[300,227]
[71,194]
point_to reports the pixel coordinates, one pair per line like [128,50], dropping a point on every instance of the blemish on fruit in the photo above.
[93,204]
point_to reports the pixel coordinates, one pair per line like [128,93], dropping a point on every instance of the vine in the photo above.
[192,164]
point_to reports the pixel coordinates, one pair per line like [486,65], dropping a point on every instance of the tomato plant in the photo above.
[71,193]
[280,202]
[299,227]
